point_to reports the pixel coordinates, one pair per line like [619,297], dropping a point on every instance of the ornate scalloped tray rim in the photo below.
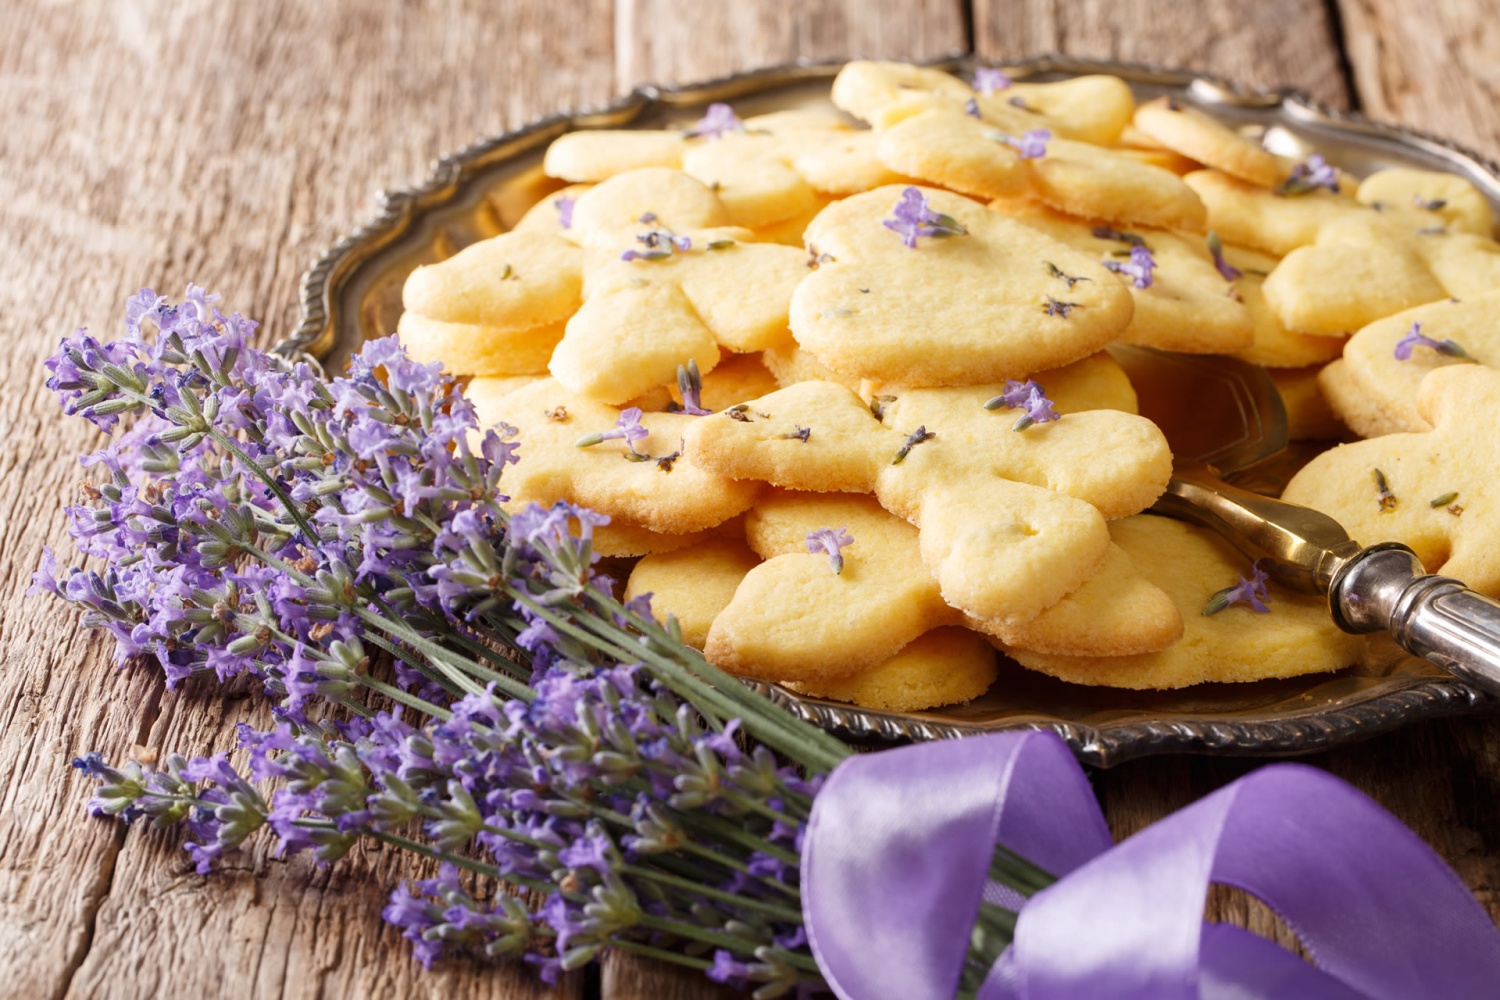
[1104,744]
[1108,744]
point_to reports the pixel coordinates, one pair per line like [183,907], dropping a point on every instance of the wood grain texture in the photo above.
[1277,43]
[1435,65]
[667,41]
[158,141]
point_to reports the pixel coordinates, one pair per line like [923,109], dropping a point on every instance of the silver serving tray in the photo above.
[353,291]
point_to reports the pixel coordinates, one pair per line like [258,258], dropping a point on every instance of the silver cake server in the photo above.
[1224,417]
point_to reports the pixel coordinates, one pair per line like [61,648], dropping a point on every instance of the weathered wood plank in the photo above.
[1277,43]
[161,142]
[663,41]
[1431,65]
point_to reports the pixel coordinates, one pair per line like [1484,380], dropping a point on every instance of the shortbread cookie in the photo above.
[845,163]
[643,318]
[794,618]
[473,349]
[1094,108]
[960,152]
[790,364]
[1275,346]
[486,391]
[619,539]
[963,309]
[751,175]
[1235,645]
[553,215]
[863,87]
[692,584]
[599,154]
[1451,200]
[612,215]
[790,232]
[1116,612]
[1370,265]
[1095,383]
[512,282]
[947,666]
[1164,159]
[1087,108]
[1186,306]
[766,169]
[1181,127]
[1433,491]
[738,378]
[1356,408]
[1093,182]
[1308,415]
[985,495]
[1376,388]
[659,491]
[1251,216]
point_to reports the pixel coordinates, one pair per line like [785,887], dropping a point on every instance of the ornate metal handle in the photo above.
[1435,617]
[1303,548]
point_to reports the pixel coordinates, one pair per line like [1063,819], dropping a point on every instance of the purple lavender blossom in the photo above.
[971,108]
[366,494]
[44,580]
[1026,395]
[1313,173]
[728,971]
[628,428]
[1138,268]
[659,244]
[690,387]
[1416,338]
[988,80]
[913,218]
[716,123]
[564,206]
[832,542]
[1250,591]
[1226,269]
[1031,146]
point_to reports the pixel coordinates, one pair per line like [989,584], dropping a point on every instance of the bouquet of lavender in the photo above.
[452,681]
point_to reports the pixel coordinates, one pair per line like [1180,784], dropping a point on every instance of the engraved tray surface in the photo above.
[353,291]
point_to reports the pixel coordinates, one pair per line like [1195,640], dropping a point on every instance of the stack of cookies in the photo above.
[838,379]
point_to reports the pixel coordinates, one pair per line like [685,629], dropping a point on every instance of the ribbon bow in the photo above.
[898,852]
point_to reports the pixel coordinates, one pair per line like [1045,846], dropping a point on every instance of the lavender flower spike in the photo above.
[659,243]
[1416,338]
[564,208]
[1216,247]
[627,427]
[1138,268]
[832,542]
[719,120]
[1251,592]
[988,80]
[690,385]
[1032,145]
[1313,173]
[1025,395]
[912,218]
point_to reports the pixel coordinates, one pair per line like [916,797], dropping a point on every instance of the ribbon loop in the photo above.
[899,846]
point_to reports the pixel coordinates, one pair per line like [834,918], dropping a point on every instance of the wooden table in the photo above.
[156,143]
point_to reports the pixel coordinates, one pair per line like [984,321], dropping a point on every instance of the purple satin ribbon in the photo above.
[898,851]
